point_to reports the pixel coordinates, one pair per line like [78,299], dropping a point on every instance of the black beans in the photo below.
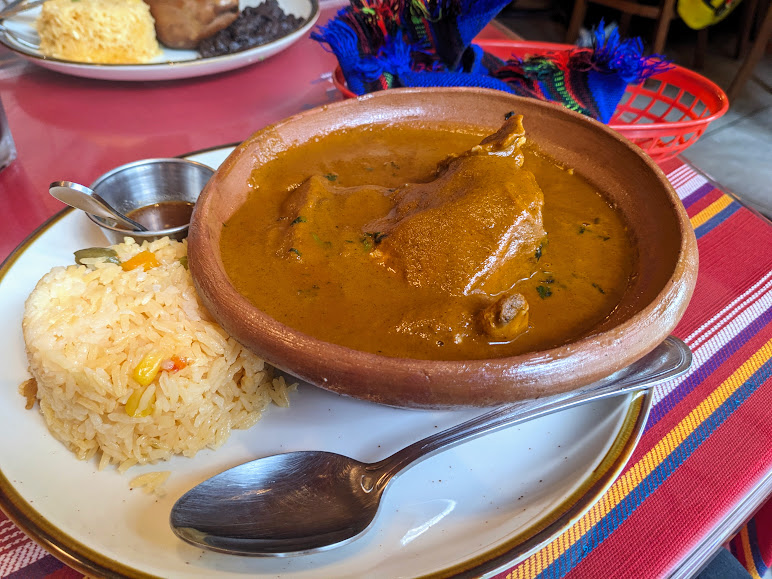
[255,26]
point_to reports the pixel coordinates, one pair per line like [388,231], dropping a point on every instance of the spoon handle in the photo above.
[668,360]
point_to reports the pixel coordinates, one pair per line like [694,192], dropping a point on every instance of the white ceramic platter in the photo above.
[475,508]
[19,34]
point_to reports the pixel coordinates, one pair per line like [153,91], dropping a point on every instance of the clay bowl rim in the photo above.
[530,375]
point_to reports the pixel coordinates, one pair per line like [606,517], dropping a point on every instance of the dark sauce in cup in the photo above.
[164,215]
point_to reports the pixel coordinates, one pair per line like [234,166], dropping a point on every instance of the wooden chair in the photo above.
[663,14]
[748,9]
[757,51]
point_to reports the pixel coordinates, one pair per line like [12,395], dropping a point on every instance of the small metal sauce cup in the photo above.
[147,182]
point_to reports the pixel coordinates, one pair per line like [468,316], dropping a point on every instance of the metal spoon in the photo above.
[16,7]
[28,40]
[303,502]
[81,197]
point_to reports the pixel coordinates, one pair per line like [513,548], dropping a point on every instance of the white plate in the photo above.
[477,507]
[21,36]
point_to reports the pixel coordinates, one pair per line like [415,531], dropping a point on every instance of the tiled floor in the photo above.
[736,150]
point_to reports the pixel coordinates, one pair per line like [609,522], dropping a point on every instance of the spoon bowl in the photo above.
[309,501]
[333,480]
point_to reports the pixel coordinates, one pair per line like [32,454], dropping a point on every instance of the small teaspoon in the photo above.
[86,199]
[304,502]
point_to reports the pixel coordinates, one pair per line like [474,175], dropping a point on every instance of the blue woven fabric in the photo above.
[383,44]
[606,91]
[452,79]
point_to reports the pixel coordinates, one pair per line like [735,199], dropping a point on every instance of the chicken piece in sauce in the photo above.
[471,231]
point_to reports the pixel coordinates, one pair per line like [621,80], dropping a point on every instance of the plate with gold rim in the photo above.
[19,34]
[477,508]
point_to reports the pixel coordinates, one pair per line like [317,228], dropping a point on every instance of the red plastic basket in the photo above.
[664,115]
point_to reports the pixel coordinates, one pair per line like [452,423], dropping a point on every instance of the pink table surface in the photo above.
[77,129]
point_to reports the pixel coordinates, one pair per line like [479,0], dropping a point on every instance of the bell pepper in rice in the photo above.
[174,364]
[179,363]
[107,254]
[139,405]
[148,367]
[144,374]
[144,259]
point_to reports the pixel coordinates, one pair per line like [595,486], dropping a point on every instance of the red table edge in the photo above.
[699,558]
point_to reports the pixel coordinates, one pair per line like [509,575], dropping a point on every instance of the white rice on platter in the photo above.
[88,327]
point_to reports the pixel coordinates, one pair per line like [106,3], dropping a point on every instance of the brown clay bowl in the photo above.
[648,312]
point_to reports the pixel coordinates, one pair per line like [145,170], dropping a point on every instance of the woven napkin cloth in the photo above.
[383,44]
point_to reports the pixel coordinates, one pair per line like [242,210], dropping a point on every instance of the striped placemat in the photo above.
[708,441]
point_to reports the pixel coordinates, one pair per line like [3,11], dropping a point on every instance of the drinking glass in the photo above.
[7,148]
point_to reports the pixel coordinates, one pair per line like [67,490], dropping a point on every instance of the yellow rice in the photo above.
[98,31]
[87,328]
